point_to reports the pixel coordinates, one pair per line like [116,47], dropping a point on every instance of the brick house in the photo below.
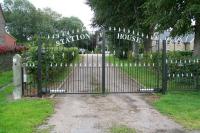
[5,38]
[179,43]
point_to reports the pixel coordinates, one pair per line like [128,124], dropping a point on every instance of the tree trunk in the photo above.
[148,41]
[197,38]
[147,44]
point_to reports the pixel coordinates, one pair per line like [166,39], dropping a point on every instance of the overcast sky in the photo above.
[67,8]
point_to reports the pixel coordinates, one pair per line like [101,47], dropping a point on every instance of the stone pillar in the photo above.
[17,77]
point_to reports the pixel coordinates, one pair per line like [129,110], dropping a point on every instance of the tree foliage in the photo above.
[148,16]
[20,18]
[177,16]
[24,21]
[122,13]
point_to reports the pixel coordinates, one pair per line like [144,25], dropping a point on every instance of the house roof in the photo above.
[185,39]
[11,36]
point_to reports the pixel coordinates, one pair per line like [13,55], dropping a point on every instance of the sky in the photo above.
[67,8]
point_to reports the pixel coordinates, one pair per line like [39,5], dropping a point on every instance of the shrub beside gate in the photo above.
[182,68]
[54,61]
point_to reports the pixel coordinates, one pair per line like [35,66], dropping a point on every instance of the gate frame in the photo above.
[39,66]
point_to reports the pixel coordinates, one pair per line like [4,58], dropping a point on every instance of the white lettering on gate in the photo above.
[82,36]
[121,36]
[127,37]
[67,40]
[70,39]
[77,37]
[88,36]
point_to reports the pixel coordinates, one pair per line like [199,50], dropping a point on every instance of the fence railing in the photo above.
[46,63]
[183,74]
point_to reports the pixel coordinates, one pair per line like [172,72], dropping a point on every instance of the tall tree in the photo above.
[71,23]
[19,18]
[46,21]
[126,13]
[24,21]
[176,15]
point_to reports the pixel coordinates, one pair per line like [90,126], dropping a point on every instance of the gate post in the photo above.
[158,64]
[103,62]
[164,68]
[17,76]
[39,67]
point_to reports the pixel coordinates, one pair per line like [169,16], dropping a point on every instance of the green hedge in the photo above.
[178,62]
[50,57]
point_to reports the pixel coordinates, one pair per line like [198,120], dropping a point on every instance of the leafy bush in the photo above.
[179,54]
[52,58]
[178,62]
[183,62]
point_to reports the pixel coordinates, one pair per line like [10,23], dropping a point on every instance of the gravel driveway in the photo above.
[97,113]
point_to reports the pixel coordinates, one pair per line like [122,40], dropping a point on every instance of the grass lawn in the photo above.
[144,75]
[5,78]
[183,107]
[22,116]
[121,129]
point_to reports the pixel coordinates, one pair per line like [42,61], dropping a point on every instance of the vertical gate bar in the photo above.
[123,68]
[93,85]
[119,71]
[97,62]
[110,69]
[86,72]
[83,73]
[91,71]
[39,68]
[22,77]
[131,85]
[74,91]
[137,64]
[145,73]
[97,65]
[164,68]
[68,72]
[114,63]
[46,72]
[157,64]
[114,67]
[77,71]
[128,73]
[87,77]
[103,62]
[132,62]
